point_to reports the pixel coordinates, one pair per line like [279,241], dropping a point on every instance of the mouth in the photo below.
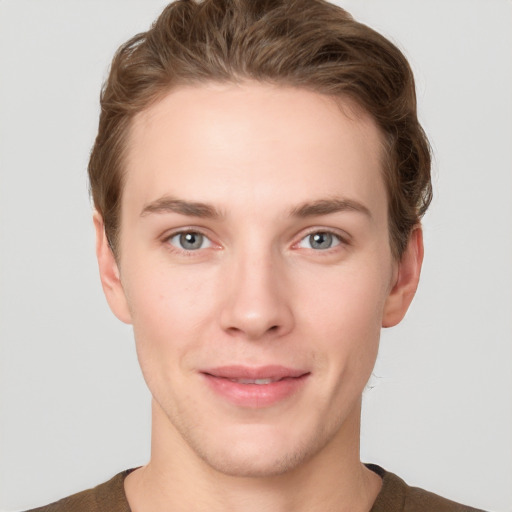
[259,382]
[255,387]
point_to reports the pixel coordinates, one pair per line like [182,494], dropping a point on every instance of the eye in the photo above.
[190,241]
[320,241]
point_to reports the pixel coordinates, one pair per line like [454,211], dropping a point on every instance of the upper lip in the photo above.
[274,372]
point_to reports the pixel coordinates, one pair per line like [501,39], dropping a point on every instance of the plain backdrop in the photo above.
[74,409]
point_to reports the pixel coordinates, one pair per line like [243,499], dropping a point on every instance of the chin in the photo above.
[254,463]
[257,451]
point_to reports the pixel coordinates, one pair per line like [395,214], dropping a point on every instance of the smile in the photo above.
[260,382]
[255,387]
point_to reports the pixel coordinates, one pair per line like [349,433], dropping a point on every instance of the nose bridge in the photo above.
[256,303]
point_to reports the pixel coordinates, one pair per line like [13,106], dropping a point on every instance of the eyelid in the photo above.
[168,235]
[204,240]
[343,237]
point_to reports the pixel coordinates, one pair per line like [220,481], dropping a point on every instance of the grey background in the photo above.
[73,406]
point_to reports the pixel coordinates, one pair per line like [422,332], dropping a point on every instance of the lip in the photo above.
[285,382]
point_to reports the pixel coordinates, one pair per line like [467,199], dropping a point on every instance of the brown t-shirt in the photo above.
[395,496]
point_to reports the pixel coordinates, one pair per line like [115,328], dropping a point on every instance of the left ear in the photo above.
[407,278]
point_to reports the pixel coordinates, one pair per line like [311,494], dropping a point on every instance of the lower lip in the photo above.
[255,395]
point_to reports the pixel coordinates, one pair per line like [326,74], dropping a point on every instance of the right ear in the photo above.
[109,273]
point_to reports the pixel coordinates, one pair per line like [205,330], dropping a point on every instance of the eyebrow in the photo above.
[168,204]
[172,205]
[327,206]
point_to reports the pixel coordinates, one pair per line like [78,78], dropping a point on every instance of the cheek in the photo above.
[343,312]
[169,308]
[350,300]
[165,295]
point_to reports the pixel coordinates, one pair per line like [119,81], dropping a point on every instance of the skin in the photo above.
[266,161]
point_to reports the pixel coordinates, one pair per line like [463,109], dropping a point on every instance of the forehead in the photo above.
[231,143]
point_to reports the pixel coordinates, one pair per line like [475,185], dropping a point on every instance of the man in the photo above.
[259,177]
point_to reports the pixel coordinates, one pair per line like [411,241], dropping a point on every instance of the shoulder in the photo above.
[397,496]
[107,497]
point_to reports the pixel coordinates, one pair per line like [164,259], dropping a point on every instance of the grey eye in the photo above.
[189,241]
[320,241]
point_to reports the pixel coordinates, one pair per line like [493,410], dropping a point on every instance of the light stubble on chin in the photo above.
[268,463]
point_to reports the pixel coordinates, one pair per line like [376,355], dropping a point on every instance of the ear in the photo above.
[109,273]
[406,283]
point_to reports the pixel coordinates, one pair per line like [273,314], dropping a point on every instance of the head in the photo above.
[312,45]
[259,176]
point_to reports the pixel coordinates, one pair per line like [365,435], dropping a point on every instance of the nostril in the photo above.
[254,318]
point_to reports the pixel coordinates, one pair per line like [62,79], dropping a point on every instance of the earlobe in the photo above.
[408,275]
[109,273]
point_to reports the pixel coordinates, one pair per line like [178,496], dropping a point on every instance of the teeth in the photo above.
[253,381]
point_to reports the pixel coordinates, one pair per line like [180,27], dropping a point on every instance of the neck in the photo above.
[177,479]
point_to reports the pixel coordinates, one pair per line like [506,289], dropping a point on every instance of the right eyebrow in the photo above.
[168,204]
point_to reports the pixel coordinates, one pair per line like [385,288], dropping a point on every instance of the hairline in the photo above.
[348,104]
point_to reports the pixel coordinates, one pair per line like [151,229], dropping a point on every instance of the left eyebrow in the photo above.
[327,206]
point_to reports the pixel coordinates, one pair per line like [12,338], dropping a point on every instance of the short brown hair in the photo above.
[310,44]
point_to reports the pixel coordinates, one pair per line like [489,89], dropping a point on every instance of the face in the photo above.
[256,270]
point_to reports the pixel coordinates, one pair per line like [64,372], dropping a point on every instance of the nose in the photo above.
[257,304]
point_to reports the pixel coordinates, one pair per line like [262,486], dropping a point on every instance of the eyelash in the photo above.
[341,241]
[186,231]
